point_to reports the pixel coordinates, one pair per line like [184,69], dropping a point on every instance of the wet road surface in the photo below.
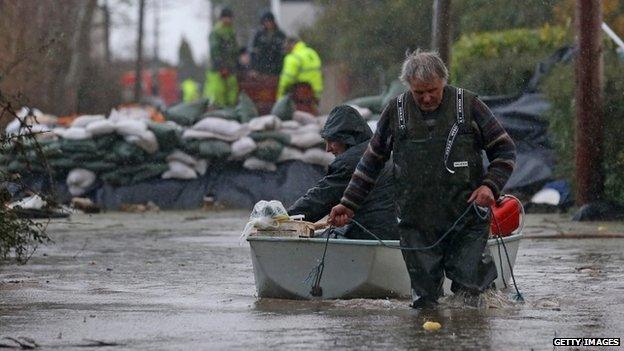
[181,280]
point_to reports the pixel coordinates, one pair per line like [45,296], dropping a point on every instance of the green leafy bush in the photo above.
[497,63]
[559,88]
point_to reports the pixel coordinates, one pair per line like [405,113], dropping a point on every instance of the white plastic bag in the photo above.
[265,215]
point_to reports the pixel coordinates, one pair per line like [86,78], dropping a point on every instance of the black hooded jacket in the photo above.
[377,214]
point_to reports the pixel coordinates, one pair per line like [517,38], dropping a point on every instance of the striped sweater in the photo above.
[493,138]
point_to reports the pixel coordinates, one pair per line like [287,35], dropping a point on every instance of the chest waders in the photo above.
[436,168]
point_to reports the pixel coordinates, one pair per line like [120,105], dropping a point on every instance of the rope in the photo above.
[317,272]
[399,247]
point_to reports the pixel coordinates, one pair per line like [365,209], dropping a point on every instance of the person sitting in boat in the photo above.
[346,135]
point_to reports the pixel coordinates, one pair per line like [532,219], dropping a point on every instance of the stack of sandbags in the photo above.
[268,138]
[184,166]
[210,138]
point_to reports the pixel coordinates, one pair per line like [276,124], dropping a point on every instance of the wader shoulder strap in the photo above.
[401,113]
[459,123]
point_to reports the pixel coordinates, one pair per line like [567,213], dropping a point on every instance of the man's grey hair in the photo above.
[423,66]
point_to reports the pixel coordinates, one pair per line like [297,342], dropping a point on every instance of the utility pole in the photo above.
[139,59]
[107,26]
[589,81]
[440,31]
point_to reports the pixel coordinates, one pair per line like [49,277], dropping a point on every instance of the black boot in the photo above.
[424,303]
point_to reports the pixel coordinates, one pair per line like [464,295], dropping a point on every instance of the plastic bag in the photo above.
[265,215]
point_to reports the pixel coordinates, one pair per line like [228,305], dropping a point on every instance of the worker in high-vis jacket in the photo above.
[221,86]
[301,75]
[190,90]
[436,134]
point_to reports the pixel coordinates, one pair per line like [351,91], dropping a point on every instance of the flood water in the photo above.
[182,280]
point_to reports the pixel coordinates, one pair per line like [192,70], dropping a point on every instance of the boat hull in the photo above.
[353,268]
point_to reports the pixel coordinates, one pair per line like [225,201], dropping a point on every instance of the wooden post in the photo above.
[589,124]
[440,31]
[139,59]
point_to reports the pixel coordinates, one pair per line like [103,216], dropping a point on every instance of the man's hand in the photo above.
[340,215]
[483,196]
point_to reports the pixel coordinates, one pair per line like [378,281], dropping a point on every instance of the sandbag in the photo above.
[70,146]
[267,122]
[214,149]
[127,154]
[131,127]
[76,133]
[137,113]
[149,171]
[256,164]
[181,156]
[306,140]
[179,170]
[85,120]
[304,117]
[270,135]
[245,109]
[269,150]
[98,166]
[220,126]
[167,134]
[204,135]
[187,113]
[225,113]
[290,154]
[290,125]
[317,157]
[284,108]
[79,180]
[201,167]
[100,127]
[243,147]
[146,141]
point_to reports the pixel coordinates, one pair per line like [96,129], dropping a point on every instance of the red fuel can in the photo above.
[505,216]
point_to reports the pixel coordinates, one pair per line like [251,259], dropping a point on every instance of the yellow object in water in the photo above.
[432,326]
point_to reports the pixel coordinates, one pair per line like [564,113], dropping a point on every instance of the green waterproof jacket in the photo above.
[223,47]
[301,65]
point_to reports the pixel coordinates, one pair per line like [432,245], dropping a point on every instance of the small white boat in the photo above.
[353,268]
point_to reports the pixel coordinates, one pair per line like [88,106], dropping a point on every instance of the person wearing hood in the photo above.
[346,135]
